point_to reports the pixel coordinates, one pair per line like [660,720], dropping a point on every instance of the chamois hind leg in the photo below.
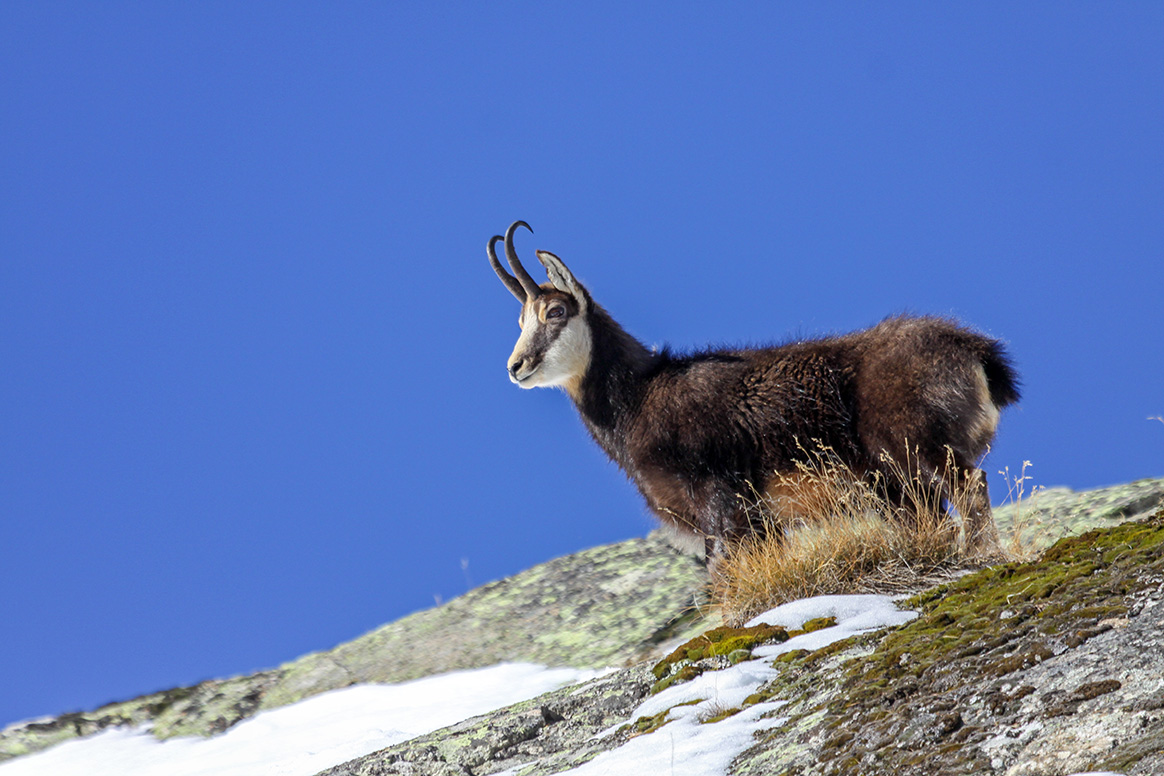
[963,488]
[914,488]
[972,500]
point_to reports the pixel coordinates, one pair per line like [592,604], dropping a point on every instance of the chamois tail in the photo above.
[1001,377]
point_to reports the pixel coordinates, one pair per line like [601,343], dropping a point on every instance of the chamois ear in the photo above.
[560,275]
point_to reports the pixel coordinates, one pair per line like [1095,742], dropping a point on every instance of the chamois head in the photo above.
[555,343]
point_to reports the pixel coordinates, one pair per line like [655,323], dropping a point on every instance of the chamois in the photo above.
[695,432]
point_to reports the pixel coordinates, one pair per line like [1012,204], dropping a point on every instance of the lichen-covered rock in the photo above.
[713,650]
[204,709]
[608,606]
[1036,669]
[1052,513]
[556,731]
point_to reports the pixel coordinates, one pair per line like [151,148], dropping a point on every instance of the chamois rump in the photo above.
[696,432]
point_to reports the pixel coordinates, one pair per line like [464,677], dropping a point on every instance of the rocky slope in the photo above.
[608,606]
[1048,667]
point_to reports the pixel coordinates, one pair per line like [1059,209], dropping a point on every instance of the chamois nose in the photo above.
[515,366]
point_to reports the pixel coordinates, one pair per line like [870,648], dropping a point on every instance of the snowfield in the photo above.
[306,737]
[326,730]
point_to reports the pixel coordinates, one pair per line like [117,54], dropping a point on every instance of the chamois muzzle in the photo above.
[523,286]
[521,367]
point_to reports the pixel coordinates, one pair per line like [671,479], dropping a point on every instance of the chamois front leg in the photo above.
[723,519]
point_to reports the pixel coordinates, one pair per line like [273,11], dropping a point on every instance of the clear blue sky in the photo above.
[254,400]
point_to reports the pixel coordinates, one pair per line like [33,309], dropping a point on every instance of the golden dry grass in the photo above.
[830,531]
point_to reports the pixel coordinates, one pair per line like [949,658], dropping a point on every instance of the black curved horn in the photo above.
[509,280]
[532,289]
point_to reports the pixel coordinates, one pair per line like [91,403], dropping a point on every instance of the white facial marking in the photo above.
[569,356]
[566,358]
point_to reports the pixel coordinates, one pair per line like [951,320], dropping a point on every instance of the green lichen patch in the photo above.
[815,624]
[739,656]
[931,691]
[643,725]
[720,641]
[716,649]
[790,656]
[838,647]
[720,715]
[684,674]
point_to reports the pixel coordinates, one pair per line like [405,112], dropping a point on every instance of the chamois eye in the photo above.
[555,312]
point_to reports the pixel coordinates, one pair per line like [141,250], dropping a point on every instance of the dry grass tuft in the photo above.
[830,531]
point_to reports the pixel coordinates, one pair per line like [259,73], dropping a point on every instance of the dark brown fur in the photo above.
[695,432]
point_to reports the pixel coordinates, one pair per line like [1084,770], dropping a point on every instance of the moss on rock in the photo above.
[917,701]
[717,648]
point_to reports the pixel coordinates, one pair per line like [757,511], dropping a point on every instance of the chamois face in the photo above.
[555,343]
[554,346]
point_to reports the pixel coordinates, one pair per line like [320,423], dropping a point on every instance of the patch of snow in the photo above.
[306,737]
[855,612]
[685,746]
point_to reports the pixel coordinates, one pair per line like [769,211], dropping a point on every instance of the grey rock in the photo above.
[1048,514]
[551,733]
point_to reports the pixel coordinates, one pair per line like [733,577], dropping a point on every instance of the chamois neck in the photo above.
[611,389]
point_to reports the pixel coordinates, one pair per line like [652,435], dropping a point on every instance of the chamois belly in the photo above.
[812,494]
